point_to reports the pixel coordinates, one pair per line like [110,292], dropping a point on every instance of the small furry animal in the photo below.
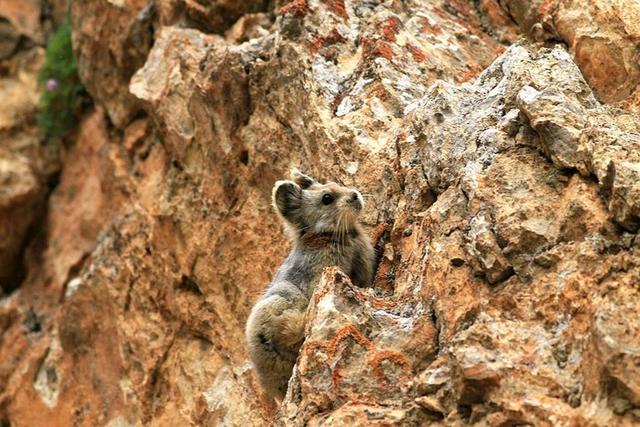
[321,220]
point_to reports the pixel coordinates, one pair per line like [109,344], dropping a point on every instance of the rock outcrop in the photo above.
[603,36]
[501,182]
[26,164]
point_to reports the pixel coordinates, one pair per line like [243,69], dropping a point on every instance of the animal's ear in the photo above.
[304,181]
[287,199]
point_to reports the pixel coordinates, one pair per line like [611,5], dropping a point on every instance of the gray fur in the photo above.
[323,235]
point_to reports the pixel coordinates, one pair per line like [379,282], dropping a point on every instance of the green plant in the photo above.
[62,92]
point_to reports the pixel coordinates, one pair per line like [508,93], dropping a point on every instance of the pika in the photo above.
[322,222]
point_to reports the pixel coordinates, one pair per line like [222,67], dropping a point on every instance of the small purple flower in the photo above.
[52,85]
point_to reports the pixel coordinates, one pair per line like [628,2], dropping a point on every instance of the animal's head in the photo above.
[310,207]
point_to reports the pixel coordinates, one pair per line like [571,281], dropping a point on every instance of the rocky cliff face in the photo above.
[502,182]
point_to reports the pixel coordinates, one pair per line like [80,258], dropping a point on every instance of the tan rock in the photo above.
[25,164]
[111,40]
[24,16]
[19,199]
[9,39]
[208,16]
[602,35]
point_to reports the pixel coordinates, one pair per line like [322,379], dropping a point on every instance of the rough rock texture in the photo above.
[111,40]
[19,197]
[24,17]
[26,165]
[507,265]
[502,192]
[603,35]
[213,16]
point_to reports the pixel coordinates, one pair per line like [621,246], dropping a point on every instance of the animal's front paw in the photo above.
[291,325]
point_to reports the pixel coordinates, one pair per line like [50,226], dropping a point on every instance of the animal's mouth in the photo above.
[356,204]
[346,221]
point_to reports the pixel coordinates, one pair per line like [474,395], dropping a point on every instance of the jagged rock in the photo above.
[209,16]
[20,97]
[111,40]
[603,36]
[589,140]
[25,18]
[613,348]
[502,175]
[483,247]
[107,59]
[25,163]
[9,39]
[19,199]
[358,348]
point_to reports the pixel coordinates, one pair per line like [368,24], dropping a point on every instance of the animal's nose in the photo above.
[355,201]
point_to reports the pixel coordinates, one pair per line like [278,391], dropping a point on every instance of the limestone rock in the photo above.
[209,16]
[111,40]
[359,348]
[26,165]
[19,199]
[9,39]
[24,17]
[587,139]
[603,36]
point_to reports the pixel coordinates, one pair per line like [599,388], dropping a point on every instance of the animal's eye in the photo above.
[327,199]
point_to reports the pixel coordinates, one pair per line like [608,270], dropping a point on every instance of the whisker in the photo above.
[336,231]
[340,228]
[306,228]
[344,231]
[345,227]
